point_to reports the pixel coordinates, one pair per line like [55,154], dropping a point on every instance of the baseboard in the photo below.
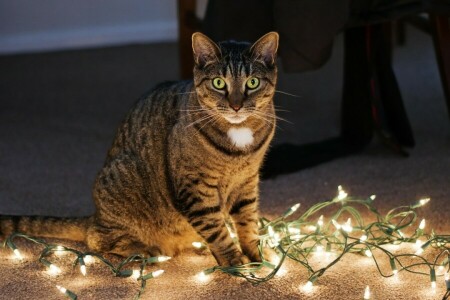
[89,37]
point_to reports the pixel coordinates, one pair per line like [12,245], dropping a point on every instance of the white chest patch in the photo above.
[241,137]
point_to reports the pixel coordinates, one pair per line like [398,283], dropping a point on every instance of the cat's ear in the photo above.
[265,49]
[204,49]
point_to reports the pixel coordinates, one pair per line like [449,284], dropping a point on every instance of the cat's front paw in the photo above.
[251,250]
[239,260]
[235,260]
[254,256]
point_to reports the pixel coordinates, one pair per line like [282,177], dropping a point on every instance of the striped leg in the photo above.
[200,205]
[116,241]
[245,215]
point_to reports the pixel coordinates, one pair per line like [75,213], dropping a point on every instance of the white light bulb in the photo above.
[275,237]
[433,285]
[368,253]
[311,228]
[274,259]
[163,258]
[197,245]
[294,230]
[295,207]
[83,270]
[270,231]
[363,238]
[367,293]
[157,273]
[202,277]
[232,234]
[66,292]
[336,224]
[424,201]
[320,221]
[88,259]
[231,231]
[18,254]
[395,272]
[373,197]
[294,233]
[341,193]
[136,274]
[422,224]
[447,276]
[61,289]
[59,250]
[419,251]
[319,250]
[308,286]
[348,225]
[54,270]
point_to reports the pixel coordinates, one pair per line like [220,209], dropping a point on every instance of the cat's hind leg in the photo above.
[120,198]
[116,241]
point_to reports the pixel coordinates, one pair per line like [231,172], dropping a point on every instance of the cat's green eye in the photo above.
[253,83]
[219,83]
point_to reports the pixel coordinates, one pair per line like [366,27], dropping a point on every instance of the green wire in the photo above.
[384,231]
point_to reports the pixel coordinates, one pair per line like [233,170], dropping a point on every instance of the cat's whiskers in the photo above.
[207,117]
[194,110]
[267,114]
[257,113]
[277,109]
[288,94]
[266,121]
[262,117]
[214,118]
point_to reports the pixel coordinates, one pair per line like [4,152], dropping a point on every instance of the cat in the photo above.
[184,161]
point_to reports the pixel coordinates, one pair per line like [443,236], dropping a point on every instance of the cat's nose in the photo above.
[236,107]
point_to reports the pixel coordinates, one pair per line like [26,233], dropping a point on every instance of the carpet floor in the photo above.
[58,115]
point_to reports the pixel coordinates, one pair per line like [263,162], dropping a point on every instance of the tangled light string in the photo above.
[297,240]
[81,258]
[300,238]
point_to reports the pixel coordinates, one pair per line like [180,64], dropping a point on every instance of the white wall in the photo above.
[41,25]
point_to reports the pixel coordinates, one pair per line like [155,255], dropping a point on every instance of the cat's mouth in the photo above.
[235,118]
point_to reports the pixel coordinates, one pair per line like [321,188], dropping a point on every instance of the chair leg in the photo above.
[356,118]
[371,97]
[440,26]
[390,100]
[187,25]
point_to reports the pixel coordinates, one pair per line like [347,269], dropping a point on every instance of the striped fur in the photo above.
[173,174]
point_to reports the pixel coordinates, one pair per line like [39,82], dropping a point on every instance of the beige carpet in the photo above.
[58,112]
[346,280]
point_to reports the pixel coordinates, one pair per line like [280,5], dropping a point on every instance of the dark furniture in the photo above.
[371,102]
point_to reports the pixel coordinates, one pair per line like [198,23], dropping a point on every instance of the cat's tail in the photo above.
[74,229]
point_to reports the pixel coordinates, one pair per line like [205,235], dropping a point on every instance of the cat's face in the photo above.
[235,80]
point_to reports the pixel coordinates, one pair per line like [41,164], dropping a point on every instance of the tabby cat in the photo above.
[185,159]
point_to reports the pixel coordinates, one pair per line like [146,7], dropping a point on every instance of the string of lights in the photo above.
[299,239]
[122,269]
[303,237]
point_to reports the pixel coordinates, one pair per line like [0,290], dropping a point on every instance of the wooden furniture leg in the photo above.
[187,25]
[440,28]
[356,118]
